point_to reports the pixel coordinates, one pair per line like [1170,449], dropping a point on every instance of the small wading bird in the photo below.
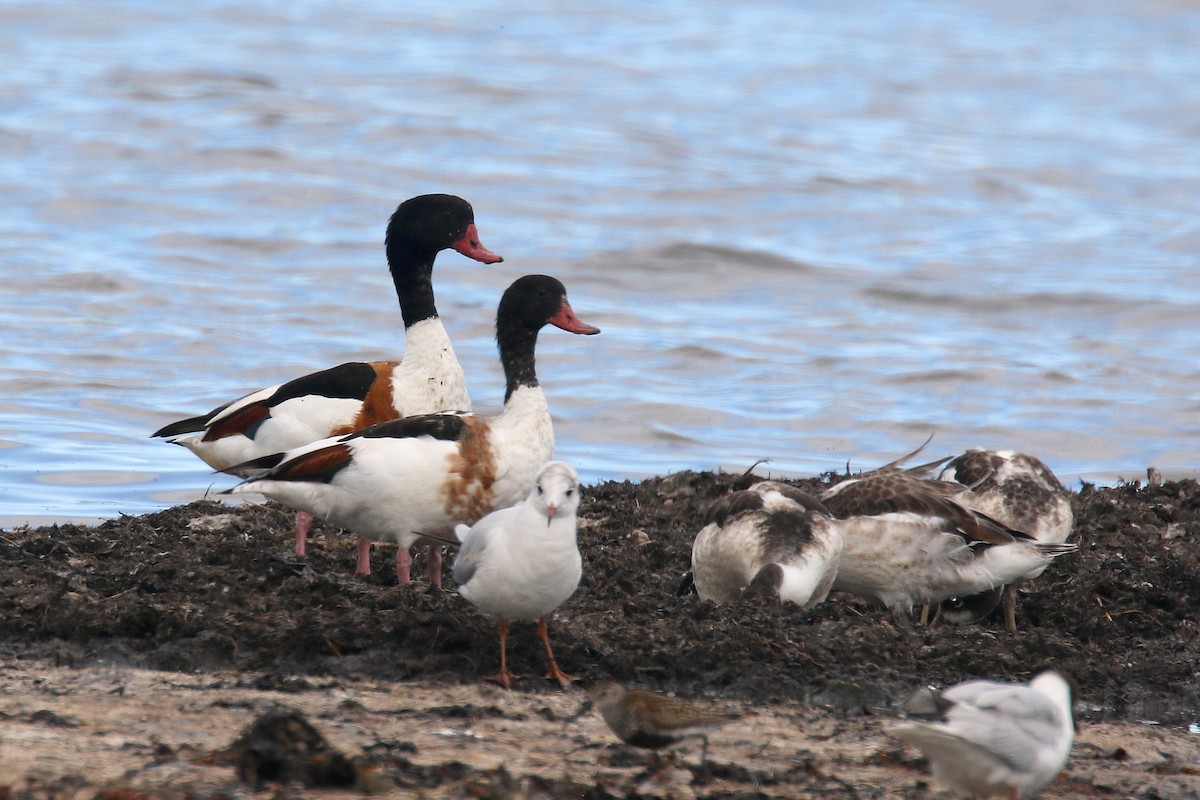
[352,396]
[522,562]
[652,720]
[987,738]
[399,480]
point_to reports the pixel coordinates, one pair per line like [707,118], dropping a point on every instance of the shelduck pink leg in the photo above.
[303,523]
[403,566]
[364,557]
[433,565]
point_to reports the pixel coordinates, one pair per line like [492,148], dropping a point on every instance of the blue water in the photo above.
[812,233]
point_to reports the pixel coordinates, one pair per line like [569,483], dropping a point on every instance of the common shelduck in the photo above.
[1020,491]
[522,562]
[908,542]
[352,396]
[397,480]
[771,540]
[987,738]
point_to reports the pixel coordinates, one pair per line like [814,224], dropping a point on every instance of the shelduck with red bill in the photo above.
[399,480]
[355,395]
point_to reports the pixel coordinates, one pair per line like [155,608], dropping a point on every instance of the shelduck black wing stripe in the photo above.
[349,381]
[448,427]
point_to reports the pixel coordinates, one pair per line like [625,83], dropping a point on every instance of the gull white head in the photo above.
[556,493]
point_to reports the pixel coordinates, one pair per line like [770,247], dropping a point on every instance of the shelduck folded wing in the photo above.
[403,479]
[354,395]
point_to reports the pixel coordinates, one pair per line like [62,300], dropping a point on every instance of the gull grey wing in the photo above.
[469,555]
[1012,723]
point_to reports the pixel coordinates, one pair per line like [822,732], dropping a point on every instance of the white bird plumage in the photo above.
[908,541]
[352,396]
[521,563]
[988,738]
[1020,491]
[771,540]
[403,479]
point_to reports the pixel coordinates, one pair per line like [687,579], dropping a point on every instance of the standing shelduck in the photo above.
[354,395]
[398,480]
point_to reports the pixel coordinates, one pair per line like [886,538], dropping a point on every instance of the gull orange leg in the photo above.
[303,523]
[503,677]
[564,680]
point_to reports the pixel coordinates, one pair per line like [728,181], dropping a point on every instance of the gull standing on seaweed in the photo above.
[522,562]
[908,541]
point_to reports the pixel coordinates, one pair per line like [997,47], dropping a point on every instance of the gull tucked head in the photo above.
[556,495]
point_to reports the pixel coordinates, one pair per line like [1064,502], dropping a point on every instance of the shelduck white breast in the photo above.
[354,395]
[987,738]
[522,562]
[1020,491]
[907,541]
[771,540]
[400,479]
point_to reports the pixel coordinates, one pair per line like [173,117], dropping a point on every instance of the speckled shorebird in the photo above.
[522,562]
[352,396]
[652,720]
[398,480]
[908,541]
[771,540]
[1020,491]
[987,738]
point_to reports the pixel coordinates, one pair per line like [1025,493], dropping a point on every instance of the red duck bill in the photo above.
[470,247]
[566,319]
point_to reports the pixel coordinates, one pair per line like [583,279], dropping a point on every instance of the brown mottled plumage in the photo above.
[769,541]
[894,492]
[651,720]
[1020,491]
[911,540]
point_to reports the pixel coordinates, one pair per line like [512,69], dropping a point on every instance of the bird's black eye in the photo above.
[540,491]
[570,492]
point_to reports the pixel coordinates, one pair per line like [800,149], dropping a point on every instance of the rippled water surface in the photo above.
[812,233]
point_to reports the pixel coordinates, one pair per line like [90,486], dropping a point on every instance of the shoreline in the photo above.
[201,611]
[143,733]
